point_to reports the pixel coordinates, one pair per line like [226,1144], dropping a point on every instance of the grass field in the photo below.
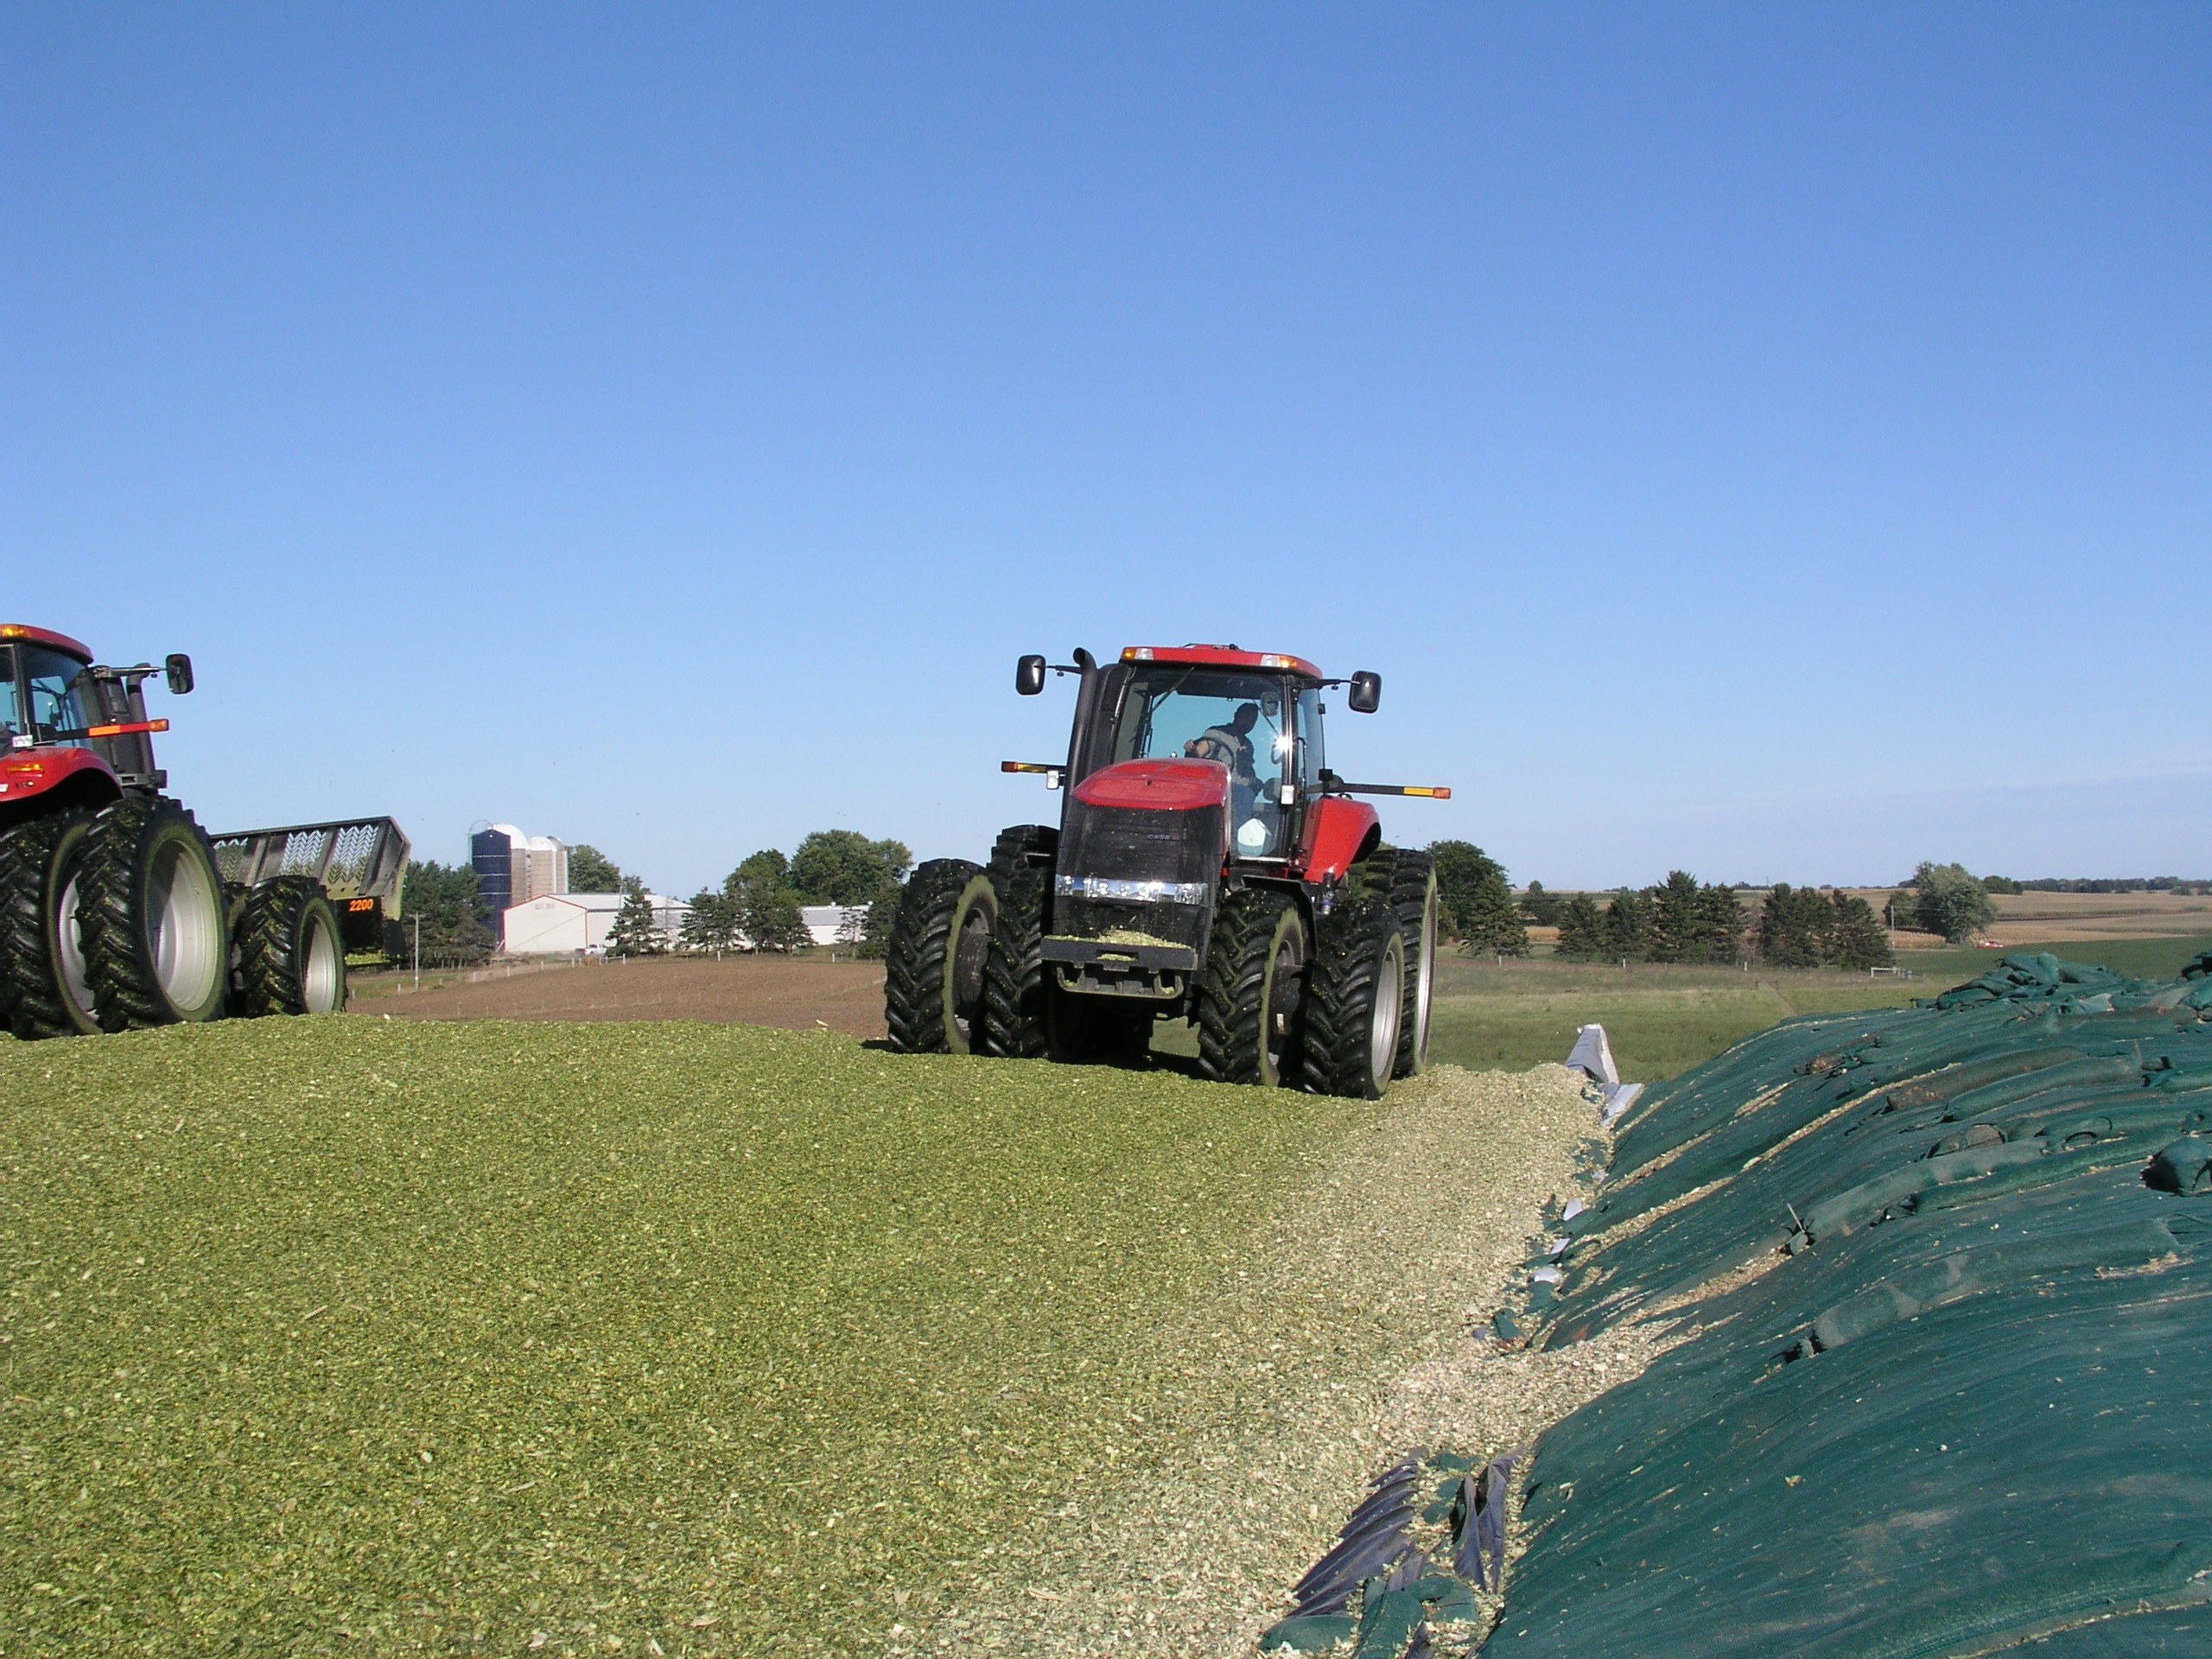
[1661,1021]
[357,1335]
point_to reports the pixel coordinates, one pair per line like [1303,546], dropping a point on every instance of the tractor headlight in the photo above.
[1136,893]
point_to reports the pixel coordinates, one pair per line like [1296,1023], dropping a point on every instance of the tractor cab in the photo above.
[1262,725]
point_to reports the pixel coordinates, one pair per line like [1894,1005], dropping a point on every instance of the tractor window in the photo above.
[1240,719]
[51,688]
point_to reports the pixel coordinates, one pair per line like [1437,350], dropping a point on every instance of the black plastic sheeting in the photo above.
[1950,1271]
[1430,1527]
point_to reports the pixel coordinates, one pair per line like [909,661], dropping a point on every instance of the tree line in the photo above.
[757,905]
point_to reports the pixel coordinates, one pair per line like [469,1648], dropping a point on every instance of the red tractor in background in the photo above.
[114,911]
[1208,866]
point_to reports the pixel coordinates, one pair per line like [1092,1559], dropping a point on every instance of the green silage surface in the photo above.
[346,1335]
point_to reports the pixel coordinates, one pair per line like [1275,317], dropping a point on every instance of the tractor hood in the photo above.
[1141,848]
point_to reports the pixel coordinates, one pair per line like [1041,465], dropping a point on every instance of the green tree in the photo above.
[637,929]
[843,867]
[445,900]
[1626,932]
[592,871]
[1540,907]
[1720,924]
[766,865]
[1947,900]
[1493,925]
[1858,939]
[875,932]
[1676,933]
[1794,926]
[1461,870]
[711,923]
[770,917]
[1582,929]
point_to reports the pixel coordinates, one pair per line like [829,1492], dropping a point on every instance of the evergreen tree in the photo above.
[875,932]
[1676,933]
[770,917]
[1491,925]
[445,900]
[1720,925]
[1794,925]
[637,930]
[1626,932]
[712,922]
[592,871]
[1858,939]
[1582,929]
[1950,902]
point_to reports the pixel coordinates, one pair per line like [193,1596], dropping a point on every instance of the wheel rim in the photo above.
[321,974]
[1389,999]
[183,906]
[1425,986]
[964,987]
[69,947]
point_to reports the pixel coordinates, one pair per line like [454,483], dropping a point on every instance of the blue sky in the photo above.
[1775,441]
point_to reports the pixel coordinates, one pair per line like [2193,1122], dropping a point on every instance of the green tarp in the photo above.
[1950,1273]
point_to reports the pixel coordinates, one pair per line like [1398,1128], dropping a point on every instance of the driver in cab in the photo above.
[1232,744]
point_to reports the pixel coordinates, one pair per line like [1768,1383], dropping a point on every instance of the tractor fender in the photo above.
[1339,832]
[38,781]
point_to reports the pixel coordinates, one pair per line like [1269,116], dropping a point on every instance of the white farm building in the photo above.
[573,923]
[577,924]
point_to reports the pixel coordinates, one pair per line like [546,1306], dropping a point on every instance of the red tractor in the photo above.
[113,912]
[1208,867]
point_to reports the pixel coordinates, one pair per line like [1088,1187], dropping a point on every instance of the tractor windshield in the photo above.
[50,690]
[1204,714]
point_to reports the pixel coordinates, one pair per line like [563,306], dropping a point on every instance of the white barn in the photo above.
[571,923]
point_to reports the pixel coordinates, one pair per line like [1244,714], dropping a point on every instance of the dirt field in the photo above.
[802,995]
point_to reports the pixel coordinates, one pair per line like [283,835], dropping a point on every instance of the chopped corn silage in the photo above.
[346,1335]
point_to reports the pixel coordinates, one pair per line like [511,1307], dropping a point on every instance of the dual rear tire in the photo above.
[119,919]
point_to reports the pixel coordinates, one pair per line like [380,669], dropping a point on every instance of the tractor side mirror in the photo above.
[178,671]
[1366,692]
[1029,676]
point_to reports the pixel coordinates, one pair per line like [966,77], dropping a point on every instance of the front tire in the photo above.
[1354,999]
[933,967]
[289,958]
[1251,988]
[1017,990]
[44,990]
[151,914]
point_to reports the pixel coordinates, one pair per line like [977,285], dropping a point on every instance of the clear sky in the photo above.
[1775,441]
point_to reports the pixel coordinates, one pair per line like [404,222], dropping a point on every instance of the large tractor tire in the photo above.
[1354,998]
[1407,882]
[933,967]
[1021,846]
[151,914]
[1251,990]
[289,956]
[44,990]
[1017,991]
